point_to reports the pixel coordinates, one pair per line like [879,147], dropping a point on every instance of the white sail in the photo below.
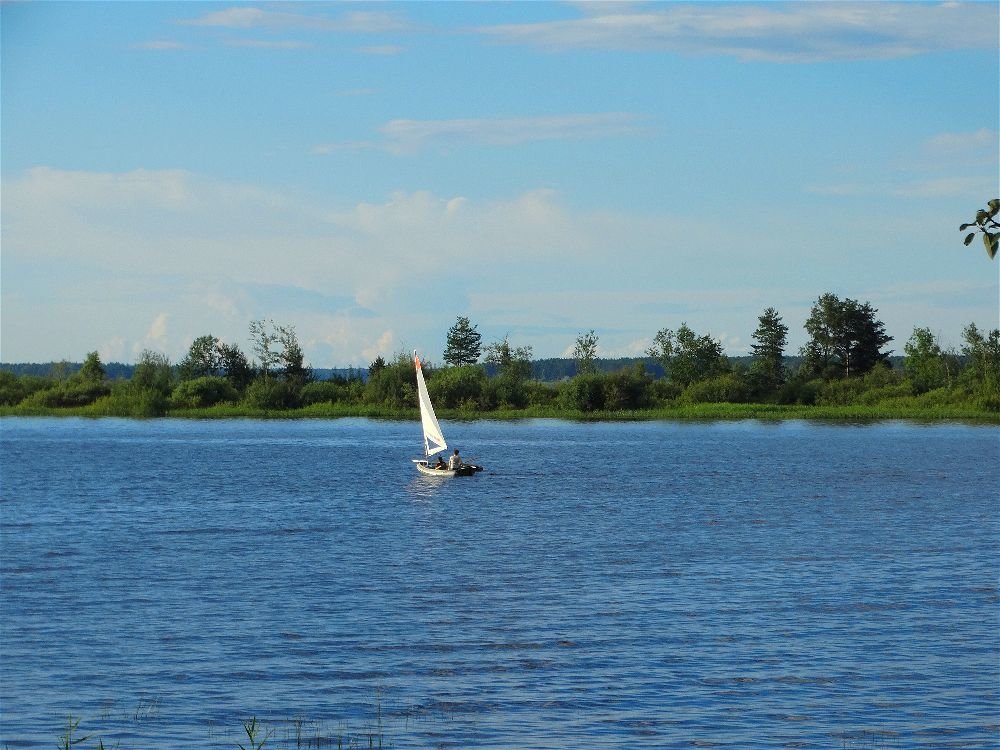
[433,439]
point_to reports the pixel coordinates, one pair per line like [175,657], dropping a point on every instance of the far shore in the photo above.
[691,412]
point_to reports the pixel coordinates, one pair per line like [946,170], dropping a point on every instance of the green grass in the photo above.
[904,408]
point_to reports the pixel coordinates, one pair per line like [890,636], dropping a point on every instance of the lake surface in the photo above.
[610,585]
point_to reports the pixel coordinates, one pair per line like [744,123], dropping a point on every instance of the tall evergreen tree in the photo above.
[846,338]
[464,344]
[769,351]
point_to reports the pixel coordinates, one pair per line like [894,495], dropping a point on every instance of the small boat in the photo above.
[433,438]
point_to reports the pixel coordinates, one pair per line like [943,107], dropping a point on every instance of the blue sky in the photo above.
[367,172]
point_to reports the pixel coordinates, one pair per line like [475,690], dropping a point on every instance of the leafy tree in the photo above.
[513,363]
[92,370]
[263,338]
[927,365]
[292,359]
[235,365]
[464,344]
[662,349]
[986,223]
[585,352]
[846,338]
[286,360]
[202,360]
[697,357]
[153,372]
[982,352]
[687,357]
[769,350]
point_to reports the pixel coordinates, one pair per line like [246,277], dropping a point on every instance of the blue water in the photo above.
[617,585]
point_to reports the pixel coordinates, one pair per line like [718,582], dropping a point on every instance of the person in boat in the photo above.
[455,462]
[440,464]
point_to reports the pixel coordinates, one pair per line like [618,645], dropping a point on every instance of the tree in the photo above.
[982,353]
[927,365]
[511,362]
[585,352]
[153,372]
[263,340]
[292,359]
[235,365]
[92,370]
[986,223]
[846,338]
[202,360]
[769,351]
[662,349]
[377,365]
[696,357]
[687,357]
[464,344]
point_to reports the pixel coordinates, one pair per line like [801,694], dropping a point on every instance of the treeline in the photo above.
[844,363]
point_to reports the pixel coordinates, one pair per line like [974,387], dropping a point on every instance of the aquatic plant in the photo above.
[252,727]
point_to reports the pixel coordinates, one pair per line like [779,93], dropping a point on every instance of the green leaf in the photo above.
[992,241]
[994,207]
[968,238]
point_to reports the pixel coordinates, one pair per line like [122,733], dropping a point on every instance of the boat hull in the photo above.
[465,470]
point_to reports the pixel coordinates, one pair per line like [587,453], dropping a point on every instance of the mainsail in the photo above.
[433,439]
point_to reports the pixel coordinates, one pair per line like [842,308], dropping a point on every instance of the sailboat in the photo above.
[433,438]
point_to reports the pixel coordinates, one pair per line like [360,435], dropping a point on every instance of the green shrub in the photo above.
[324,392]
[729,388]
[663,391]
[68,394]
[627,389]
[271,395]
[14,389]
[203,392]
[454,387]
[875,396]
[799,391]
[840,392]
[130,400]
[505,392]
[583,393]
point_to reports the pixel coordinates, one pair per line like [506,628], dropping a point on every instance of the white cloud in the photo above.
[161,44]
[404,136]
[410,136]
[787,32]
[382,49]
[268,43]
[367,22]
[173,255]
[979,141]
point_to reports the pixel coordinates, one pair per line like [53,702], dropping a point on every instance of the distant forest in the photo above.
[550,370]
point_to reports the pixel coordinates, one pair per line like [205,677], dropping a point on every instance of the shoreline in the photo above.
[680,412]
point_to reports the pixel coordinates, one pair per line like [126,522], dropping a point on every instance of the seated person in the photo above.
[440,464]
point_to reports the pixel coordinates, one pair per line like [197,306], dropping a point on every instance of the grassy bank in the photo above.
[678,411]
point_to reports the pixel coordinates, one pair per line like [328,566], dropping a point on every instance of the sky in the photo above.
[369,172]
